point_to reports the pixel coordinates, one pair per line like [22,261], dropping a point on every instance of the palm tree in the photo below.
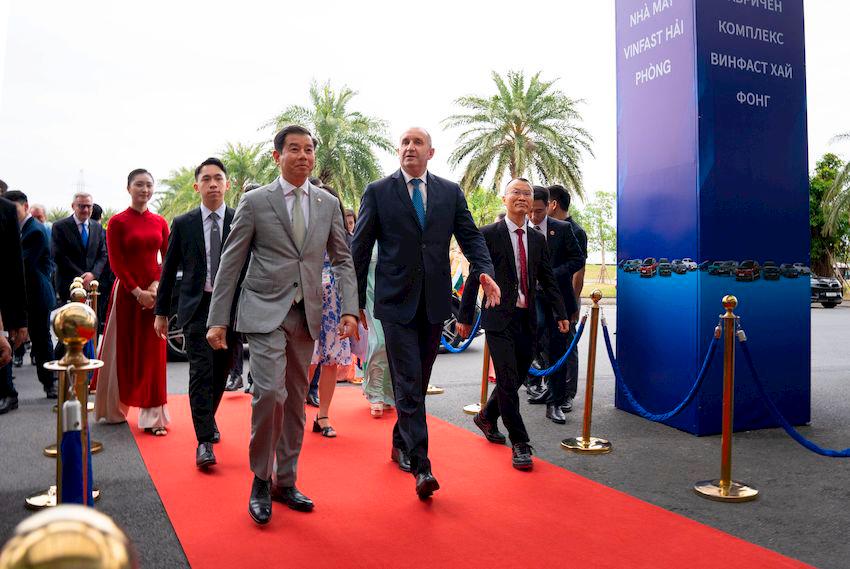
[837,199]
[246,163]
[527,130]
[345,155]
[57,213]
[179,194]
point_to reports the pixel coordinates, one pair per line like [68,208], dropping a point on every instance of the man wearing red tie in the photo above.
[521,262]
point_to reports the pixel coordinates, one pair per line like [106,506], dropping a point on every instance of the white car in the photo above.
[689,263]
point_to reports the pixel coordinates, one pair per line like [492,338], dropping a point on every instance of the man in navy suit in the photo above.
[567,257]
[194,246]
[413,214]
[79,246]
[13,297]
[41,298]
[521,259]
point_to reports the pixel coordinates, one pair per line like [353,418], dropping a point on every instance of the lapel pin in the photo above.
[551,232]
[318,199]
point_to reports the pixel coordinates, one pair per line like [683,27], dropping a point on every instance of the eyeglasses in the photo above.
[84,206]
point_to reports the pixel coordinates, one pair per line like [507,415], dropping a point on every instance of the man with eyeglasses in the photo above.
[79,246]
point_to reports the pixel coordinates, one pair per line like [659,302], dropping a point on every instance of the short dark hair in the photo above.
[16,196]
[211,161]
[96,212]
[250,186]
[137,172]
[560,194]
[541,194]
[3,187]
[316,182]
[280,137]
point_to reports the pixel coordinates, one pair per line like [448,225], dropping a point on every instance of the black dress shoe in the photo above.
[399,456]
[290,496]
[51,392]
[234,382]
[426,485]
[540,397]
[554,412]
[521,456]
[216,438]
[491,432]
[567,407]
[312,399]
[260,502]
[11,403]
[204,456]
[249,387]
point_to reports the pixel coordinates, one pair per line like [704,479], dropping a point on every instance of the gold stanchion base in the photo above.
[47,498]
[50,450]
[357,381]
[736,492]
[472,409]
[89,406]
[434,390]
[591,445]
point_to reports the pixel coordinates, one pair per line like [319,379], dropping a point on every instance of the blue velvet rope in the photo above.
[777,414]
[534,372]
[466,343]
[640,409]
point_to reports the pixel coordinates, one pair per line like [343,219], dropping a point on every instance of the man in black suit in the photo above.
[41,298]
[413,214]
[194,246]
[79,246]
[13,297]
[521,259]
[559,206]
[567,257]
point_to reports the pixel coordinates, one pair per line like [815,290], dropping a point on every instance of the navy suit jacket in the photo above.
[187,251]
[38,267]
[539,270]
[72,260]
[567,257]
[413,261]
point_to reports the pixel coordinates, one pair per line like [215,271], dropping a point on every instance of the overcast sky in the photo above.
[105,87]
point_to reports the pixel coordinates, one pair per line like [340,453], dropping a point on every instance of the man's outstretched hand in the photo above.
[492,294]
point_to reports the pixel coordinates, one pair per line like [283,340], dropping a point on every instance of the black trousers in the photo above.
[563,382]
[512,350]
[208,371]
[411,351]
[42,345]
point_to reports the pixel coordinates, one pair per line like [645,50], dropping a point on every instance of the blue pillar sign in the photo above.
[712,199]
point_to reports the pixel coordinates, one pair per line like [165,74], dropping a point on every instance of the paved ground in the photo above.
[801,511]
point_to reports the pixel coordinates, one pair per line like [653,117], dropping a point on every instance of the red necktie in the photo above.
[523,267]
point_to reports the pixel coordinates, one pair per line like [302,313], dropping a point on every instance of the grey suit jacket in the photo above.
[262,228]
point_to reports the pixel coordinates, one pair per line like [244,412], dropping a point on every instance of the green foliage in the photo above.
[179,195]
[529,130]
[829,210]
[348,140]
[107,215]
[57,213]
[597,218]
[484,206]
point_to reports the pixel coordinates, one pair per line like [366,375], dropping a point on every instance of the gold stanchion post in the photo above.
[74,325]
[587,444]
[475,408]
[726,489]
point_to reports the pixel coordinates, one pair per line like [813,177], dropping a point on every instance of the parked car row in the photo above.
[748,270]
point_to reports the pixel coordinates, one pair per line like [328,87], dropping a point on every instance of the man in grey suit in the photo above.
[286,227]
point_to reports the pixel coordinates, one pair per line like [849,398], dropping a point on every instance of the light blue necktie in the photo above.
[85,236]
[418,204]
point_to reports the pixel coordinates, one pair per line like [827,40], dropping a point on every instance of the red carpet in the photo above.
[367,514]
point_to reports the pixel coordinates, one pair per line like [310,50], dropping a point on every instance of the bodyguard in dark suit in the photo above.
[194,246]
[567,257]
[521,259]
[79,246]
[413,214]
[41,298]
[13,297]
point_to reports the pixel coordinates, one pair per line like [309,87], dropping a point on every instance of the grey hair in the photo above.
[81,195]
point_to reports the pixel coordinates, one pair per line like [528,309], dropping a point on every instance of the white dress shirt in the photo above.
[207,220]
[423,187]
[521,301]
[289,199]
[544,225]
[80,224]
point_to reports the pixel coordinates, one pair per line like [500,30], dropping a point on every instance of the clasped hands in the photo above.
[147,297]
